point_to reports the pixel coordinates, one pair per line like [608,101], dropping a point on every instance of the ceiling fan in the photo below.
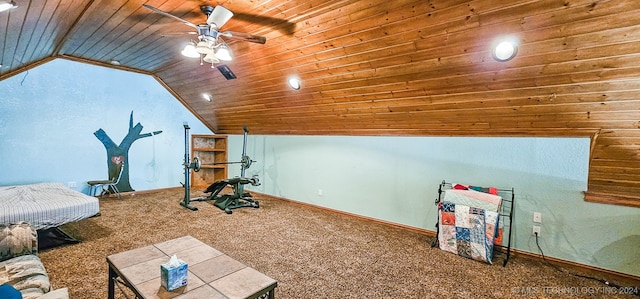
[210,47]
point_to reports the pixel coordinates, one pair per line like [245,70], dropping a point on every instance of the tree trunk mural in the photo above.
[118,155]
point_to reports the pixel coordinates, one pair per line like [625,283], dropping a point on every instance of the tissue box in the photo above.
[174,277]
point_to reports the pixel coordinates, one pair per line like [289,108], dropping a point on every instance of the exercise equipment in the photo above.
[188,164]
[235,200]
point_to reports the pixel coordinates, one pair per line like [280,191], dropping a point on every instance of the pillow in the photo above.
[8,292]
[25,272]
[57,294]
[17,239]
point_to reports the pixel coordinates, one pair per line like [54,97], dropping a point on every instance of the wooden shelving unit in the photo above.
[209,149]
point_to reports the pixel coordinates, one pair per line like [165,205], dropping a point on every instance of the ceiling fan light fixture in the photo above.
[209,47]
[203,47]
[6,5]
[224,53]
[190,51]
[211,58]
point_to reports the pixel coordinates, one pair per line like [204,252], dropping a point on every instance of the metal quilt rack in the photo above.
[506,211]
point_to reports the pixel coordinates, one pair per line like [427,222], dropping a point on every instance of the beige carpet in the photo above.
[310,252]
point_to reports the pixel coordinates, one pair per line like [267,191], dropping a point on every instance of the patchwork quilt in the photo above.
[467,231]
[474,199]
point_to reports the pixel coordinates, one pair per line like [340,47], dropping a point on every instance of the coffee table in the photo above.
[212,274]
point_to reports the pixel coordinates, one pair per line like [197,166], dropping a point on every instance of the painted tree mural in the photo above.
[118,155]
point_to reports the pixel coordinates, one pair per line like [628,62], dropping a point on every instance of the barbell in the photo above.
[196,164]
[245,162]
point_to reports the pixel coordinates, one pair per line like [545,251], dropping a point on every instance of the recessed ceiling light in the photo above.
[114,62]
[206,97]
[294,83]
[505,51]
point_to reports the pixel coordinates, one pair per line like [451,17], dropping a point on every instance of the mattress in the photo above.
[45,205]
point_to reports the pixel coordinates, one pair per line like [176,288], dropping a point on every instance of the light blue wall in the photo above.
[48,116]
[396,179]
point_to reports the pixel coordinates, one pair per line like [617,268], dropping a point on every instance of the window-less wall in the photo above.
[396,179]
[48,116]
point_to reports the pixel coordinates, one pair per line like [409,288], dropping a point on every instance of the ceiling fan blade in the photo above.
[219,16]
[244,37]
[166,14]
[179,33]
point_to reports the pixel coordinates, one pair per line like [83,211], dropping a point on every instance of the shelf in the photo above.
[209,149]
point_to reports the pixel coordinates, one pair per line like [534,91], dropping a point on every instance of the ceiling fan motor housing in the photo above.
[206,9]
[205,33]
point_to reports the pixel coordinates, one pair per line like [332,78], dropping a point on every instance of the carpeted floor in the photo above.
[310,252]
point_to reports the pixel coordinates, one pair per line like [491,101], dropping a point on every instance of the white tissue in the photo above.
[173,262]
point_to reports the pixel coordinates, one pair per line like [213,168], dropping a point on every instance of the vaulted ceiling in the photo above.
[377,67]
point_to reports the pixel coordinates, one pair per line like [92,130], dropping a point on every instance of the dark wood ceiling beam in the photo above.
[24,68]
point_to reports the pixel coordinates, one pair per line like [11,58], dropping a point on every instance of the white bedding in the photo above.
[45,205]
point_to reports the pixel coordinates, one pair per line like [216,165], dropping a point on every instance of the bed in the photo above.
[45,205]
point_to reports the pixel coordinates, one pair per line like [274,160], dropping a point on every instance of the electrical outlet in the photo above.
[536,230]
[71,184]
[319,192]
[537,217]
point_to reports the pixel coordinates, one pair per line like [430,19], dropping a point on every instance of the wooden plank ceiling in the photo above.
[377,67]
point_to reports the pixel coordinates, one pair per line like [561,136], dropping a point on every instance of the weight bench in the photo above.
[226,202]
[238,199]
